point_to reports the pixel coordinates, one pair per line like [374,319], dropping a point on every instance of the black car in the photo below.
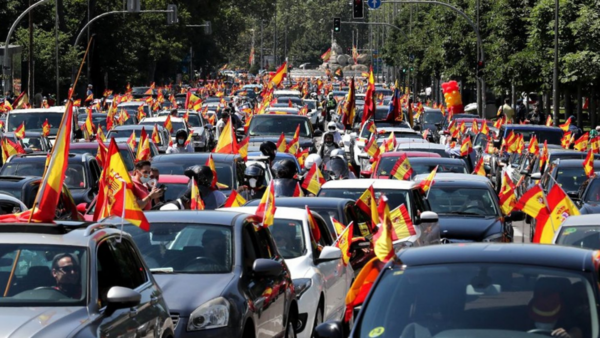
[343,210]
[480,290]
[81,176]
[431,119]
[589,196]
[221,274]
[33,141]
[25,189]
[469,210]
[268,127]
[230,168]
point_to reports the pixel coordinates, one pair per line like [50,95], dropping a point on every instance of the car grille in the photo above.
[196,137]
[175,319]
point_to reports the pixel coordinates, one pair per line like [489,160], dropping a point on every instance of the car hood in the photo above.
[29,321]
[468,228]
[590,208]
[197,130]
[255,141]
[199,288]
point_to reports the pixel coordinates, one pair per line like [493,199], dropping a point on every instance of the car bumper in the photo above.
[181,331]
[307,308]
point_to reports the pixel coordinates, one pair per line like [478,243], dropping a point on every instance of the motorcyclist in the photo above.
[333,129]
[327,146]
[179,147]
[203,177]
[331,105]
[313,96]
[312,159]
[337,167]
[254,182]
[285,182]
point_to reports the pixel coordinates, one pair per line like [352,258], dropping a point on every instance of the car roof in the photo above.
[278,116]
[365,183]
[396,130]
[56,109]
[223,217]
[281,212]
[530,127]
[94,145]
[419,145]
[467,180]
[558,256]
[71,233]
[196,156]
[312,202]
[133,127]
[131,103]
[162,118]
[574,163]
[580,220]
[436,160]
[410,154]
[42,156]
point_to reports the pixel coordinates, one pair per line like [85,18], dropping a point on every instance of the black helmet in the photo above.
[181,133]
[201,174]
[285,169]
[257,172]
[268,148]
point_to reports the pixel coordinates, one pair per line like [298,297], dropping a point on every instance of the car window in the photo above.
[42,275]
[289,237]
[420,204]
[570,179]
[587,237]
[470,201]
[326,237]
[34,121]
[263,125]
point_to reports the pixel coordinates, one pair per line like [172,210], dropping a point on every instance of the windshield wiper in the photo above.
[462,213]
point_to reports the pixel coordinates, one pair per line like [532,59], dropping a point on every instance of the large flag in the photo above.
[196,202]
[561,207]
[369,107]
[192,102]
[403,225]
[227,143]
[115,193]
[532,202]
[44,206]
[314,180]
[588,164]
[266,208]
[349,108]
[234,200]
[383,239]
[279,75]
[344,241]
[402,170]
[428,182]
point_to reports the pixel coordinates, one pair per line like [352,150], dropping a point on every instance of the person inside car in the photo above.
[214,245]
[65,270]
[548,312]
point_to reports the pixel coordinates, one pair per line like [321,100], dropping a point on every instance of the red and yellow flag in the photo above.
[89,98]
[10,148]
[192,102]
[266,208]
[402,169]
[561,207]
[143,151]
[402,223]
[371,148]
[326,56]
[369,107]
[168,125]
[294,145]
[383,239]
[298,191]
[314,180]
[479,169]
[428,182]
[131,142]
[345,240]
[349,107]
[279,75]
[243,148]
[484,128]
[234,200]
[227,143]
[466,147]
[196,202]
[565,126]
[312,223]
[534,146]
[588,164]
[20,131]
[364,201]
[281,143]
[46,128]
[582,142]
[507,196]
[211,164]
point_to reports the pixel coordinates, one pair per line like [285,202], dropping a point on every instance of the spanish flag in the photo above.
[143,150]
[115,193]
[298,191]
[364,201]
[362,285]
[227,143]
[402,223]
[326,56]
[369,106]
[428,182]
[383,239]
[507,196]
[234,200]
[582,142]
[193,102]
[20,131]
[532,202]
[155,135]
[243,148]
[294,145]
[466,147]
[565,126]
[279,75]
[475,127]
[196,202]
[594,144]
[313,180]
[549,122]
[10,148]
[89,98]
[281,143]
[534,146]
[211,164]
[588,164]
[561,207]
[46,128]
[402,169]
[168,125]
[349,108]
[89,124]
[520,144]
[479,169]
[338,226]
[266,208]
[44,207]
[544,155]
[344,241]
[140,112]
[499,122]
[131,142]
[371,147]
[314,227]
[484,128]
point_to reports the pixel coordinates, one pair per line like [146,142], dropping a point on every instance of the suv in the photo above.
[81,176]
[77,279]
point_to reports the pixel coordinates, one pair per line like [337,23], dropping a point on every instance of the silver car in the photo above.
[74,279]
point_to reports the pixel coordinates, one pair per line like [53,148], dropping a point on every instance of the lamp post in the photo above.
[555,97]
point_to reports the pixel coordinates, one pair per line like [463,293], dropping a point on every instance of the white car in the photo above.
[401,134]
[429,147]
[286,92]
[580,231]
[314,112]
[176,122]
[321,280]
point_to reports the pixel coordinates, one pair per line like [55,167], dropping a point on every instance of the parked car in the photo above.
[579,231]
[221,273]
[75,279]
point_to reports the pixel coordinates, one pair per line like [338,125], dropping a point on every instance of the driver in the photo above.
[65,269]
[285,236]
[548,312]
[214,245]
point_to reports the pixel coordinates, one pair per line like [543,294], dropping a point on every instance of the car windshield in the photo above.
[432,117]
[185,247]
[74,177]
[398,134]
[224,170]
[464,201]
[263,125]
[43,275]
[570,179]
[479,300]
[121,135]
[395,196]
[193,120]
[289,237]
[420,166]
[415,147]
[34,121]
[126,155]
[587,237]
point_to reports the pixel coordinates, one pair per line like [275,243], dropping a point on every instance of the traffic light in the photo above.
[172,15]
[133,6]
[480,68]
[207,28]
[403,70]
[358,9]
[337,25]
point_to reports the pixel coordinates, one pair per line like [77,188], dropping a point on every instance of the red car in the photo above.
[388,160]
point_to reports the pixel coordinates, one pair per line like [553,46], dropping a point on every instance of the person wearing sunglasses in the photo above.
[65,269]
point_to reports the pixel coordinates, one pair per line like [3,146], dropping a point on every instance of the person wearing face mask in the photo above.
[548,311]
[180,147]
[327,146]
[140,179]
[254,183]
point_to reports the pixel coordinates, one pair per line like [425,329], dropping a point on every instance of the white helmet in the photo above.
[312,159]
[331,126]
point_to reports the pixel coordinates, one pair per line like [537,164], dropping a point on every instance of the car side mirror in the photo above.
[82,207]
[536,176]
[267,267]
[329,329]
[119,297]
[429,217]
[317,133]
[328,254]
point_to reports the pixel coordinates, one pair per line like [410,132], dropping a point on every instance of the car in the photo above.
[294,100]
[315,113]
[286,93]
[35,118]
[109,283]
[92,148]
[202,137]
[132,108]
[398,192]
[81,177]
[25,189]
[230,168]
[365,135]
[175,186]
[579,231]
[99,119]
[320,277]
[432,120]
[278,157]
[10,204]
[589,196]
[34,141]
[270,127]
[437,290]
[469,210]
[282,109]
[424,165]
[429,147]
[177,123]
[343,210]
[387,161]
[122,134]
[221,273]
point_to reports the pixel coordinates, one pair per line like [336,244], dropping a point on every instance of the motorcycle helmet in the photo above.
[181,133]
[311,160]
[254,175]
[331,126]
[337,169]
[269,149]
[339,153]
[313,96]
[202,174]
[285,169]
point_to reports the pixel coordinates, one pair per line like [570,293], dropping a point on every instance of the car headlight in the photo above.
[210,315]
[365,164]
[301,285]
[494,238]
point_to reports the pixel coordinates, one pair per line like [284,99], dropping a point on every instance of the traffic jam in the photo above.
[284,206]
